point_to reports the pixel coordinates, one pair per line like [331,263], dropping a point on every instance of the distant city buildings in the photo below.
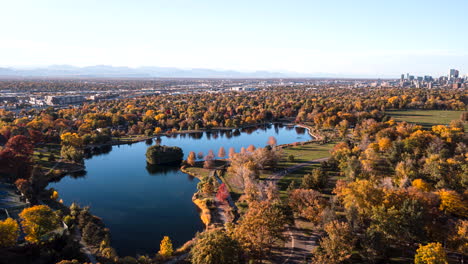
[63,100]
[453,80]
[453,74]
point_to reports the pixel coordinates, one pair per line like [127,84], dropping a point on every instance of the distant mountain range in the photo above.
[141,72]
[105,71]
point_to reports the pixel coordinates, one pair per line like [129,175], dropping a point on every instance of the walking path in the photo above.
[84,248]
[277,176]
[300,244]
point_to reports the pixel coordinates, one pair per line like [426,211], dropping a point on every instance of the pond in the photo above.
[139,204]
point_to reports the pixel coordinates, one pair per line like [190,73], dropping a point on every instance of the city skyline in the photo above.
[361,38]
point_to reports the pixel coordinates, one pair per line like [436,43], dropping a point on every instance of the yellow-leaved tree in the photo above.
[9,232]
[432,253]
[38,221]
[453,203]
[165,249]
[421,185]
[71,139]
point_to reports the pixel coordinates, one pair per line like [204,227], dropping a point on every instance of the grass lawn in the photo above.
[301,154]
[426,118]
[304,153]
[42,154]
[201,172]
[296,176]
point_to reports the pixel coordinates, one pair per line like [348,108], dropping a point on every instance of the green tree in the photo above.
[71,153]
[315,180]
[213,247]
[405,223]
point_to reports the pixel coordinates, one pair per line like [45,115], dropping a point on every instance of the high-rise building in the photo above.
[453,74]
[402,77]
[427,78]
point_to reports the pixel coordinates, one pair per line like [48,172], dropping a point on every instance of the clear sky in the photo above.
[359,37]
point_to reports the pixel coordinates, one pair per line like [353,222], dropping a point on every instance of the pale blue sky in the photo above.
[361,37]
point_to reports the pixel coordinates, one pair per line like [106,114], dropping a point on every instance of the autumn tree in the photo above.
[337,246]
[251,148]
[21,146]
[191,158]
[165,248]
[308,204]
[209,160]
[24,186]
[362,194]
[452,203]
[37,222]
[260,228]
[215,246]
[222,193]
[458,239]
[272,141]
[71,139]
[9,232]
[432,253]
[71,153]
[207,185]
[231,152]
[221,152]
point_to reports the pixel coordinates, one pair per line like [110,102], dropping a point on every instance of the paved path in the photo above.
[300,244]
[84,248]
[277,176]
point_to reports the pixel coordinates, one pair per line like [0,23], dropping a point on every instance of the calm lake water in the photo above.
[140,205]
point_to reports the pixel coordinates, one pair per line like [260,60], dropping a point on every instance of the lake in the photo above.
[139,204]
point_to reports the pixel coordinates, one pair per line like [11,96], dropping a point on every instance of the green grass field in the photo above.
[426,118]
[301,154]
[305,153]
[41,155]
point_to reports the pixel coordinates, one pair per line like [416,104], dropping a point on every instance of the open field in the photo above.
[304,154]
[426,118]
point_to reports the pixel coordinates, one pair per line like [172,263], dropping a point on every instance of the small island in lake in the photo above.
[156,155]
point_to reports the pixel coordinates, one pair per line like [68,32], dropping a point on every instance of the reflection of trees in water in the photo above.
[228,134]
[158,140]
[97,151]
[190,177]
[149,142]
[236,133]
[79,174]
[289,128]
[196,135]
[208,135]
[162,169]
[300,130]
[250,130]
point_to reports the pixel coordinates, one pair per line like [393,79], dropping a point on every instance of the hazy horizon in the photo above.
[342,38]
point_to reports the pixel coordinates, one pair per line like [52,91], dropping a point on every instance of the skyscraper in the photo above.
[453,74]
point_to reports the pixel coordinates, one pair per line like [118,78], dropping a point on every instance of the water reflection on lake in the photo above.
[140,203]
